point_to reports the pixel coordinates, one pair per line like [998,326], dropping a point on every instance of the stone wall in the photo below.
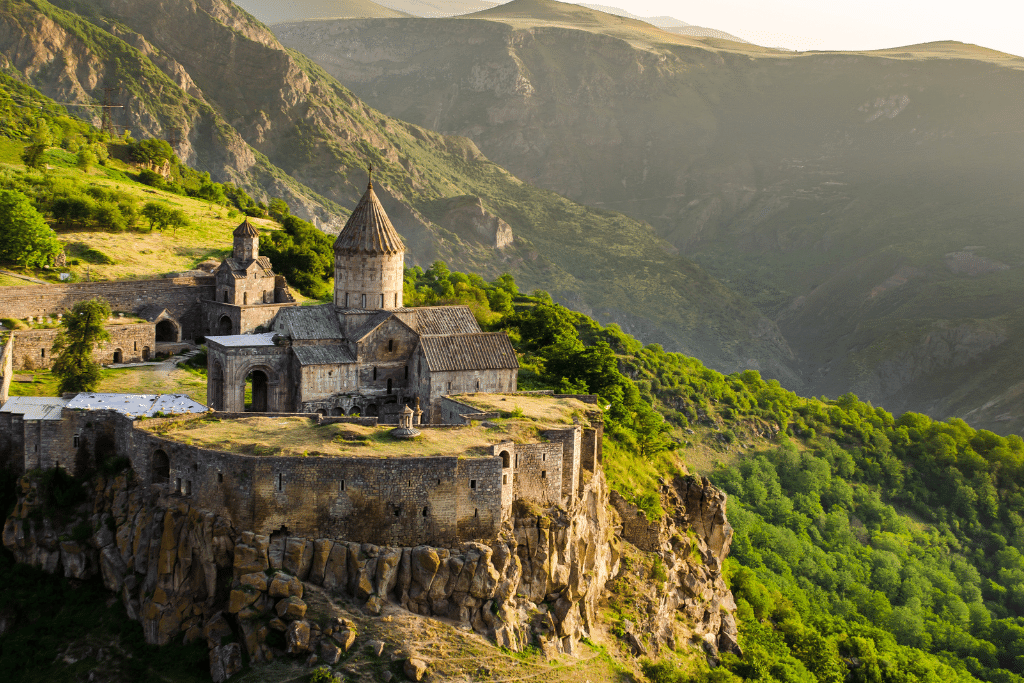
[239,319]
[443,384]
[570,460]
[135,341]
[182,297]
[439,500]
[538,472]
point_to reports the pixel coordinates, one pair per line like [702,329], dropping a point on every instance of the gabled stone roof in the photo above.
[309,323]
[480,351]
[369,230]
[316,354]
[246,229]
[241,268]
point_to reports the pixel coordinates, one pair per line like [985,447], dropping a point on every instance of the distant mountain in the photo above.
[274,11]
[868,203]
[245,109]
[661,22]
[702,32]
[438,8]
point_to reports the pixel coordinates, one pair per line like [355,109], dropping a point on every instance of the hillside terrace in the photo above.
[301,436]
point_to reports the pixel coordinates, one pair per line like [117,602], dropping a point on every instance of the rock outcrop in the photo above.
[179,569]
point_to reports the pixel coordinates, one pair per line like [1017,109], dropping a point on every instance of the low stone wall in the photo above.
[136,342]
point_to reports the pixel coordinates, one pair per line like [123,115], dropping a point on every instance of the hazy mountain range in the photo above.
[867,203]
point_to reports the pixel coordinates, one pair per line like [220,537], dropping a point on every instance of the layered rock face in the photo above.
[692,541]
[179,569]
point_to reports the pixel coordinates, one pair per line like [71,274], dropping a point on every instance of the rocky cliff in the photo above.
[180,570]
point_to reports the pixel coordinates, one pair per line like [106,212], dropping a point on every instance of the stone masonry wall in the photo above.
[32,347]
[182,297]
[538,469]
[372,500]
[570,440]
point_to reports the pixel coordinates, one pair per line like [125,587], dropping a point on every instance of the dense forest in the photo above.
[867,547]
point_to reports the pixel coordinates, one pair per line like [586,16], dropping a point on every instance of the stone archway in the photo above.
[257,387]
[118,356]
[224,326]
[168,331]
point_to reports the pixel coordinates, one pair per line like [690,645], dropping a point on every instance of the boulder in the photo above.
[291,608]
[240,599]
[344,638]
[376,647]
[415,669]
[225,661]
[329,652]
[255,581]
[283,586]
[298,557]
[296,636]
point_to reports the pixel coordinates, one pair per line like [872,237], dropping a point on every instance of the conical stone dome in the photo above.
[369,230]
[246,229]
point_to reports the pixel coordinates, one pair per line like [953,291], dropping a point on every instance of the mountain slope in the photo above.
[270,12]
[868,203]
[446,199]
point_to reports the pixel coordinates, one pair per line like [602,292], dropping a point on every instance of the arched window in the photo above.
[375,373]
[364,302]
[396,299]
[389,386]
[504,459]
[391,345]
[225,296]
[346,299]
[382,301]
[245,298]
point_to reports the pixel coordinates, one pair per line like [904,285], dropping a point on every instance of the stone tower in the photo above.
[246,243]
[369,259]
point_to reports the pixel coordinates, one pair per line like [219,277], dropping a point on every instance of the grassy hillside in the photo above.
[867,203]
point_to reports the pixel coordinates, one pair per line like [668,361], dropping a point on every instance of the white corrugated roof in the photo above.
[35,407]
[137,405]
[263,339]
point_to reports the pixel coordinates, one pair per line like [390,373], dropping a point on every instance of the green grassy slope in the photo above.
[865,202]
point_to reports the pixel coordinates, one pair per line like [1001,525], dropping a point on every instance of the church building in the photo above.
[364,354]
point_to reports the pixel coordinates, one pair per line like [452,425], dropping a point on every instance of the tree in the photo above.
[156,213]
[154,152]
[33,154]
[85,159]
[81,331]
[25,238]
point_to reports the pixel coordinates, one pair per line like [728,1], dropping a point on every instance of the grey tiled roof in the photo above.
[309,322]
[369,230]
[240,268]
[333,354]
[237,340]
[480,351]
[445,320]
[137,405]
[35,407]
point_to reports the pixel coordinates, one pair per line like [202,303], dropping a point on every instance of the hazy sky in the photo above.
[849,25]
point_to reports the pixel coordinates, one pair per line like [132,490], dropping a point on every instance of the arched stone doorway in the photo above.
[256,392]
[145,353]
[167,331]
[161,467]
[371,410]
[117,355]
[224,326]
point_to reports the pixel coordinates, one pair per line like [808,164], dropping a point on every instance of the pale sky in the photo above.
[846,24]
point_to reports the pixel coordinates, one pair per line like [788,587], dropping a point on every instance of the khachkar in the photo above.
[369,259]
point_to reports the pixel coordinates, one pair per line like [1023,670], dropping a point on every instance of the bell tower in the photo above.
[369,258]
[246,240]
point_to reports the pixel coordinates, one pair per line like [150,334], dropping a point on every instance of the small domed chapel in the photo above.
[364,354]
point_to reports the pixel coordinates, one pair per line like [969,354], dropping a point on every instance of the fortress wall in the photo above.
[571,446]
[478,509]
[508,472]
[12,442]
[538,472]
[33,346]
[366,500]
[590,447]
[181,296]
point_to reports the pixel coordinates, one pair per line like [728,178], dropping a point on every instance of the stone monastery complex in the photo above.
[368,421]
